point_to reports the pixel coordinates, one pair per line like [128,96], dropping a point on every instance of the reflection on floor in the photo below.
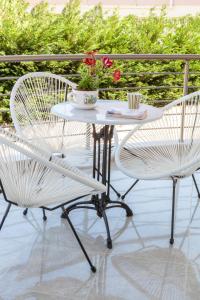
[42,260]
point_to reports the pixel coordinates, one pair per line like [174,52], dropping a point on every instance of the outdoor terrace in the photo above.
[41,260]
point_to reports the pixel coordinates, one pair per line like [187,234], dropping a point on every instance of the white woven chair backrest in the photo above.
[32,98]
[34,94]
[175,139]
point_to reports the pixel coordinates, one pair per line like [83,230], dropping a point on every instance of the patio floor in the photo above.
[43,261]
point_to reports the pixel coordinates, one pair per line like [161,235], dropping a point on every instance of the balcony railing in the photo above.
[186,72]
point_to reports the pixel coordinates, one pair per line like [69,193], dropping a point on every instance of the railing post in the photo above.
[185,92]
[186,78]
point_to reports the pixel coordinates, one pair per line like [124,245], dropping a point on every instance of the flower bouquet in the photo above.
[92,71]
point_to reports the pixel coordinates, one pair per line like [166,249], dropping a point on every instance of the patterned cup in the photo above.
[83,99]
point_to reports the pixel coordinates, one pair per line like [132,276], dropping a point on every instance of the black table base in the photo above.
[101,171]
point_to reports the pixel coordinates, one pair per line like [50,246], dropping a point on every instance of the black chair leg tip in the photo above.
[171,241]
[25,212]
[129,213]
[109,244]
[44,218]
[118,195]
[93,269]
[123,197]
[64,214]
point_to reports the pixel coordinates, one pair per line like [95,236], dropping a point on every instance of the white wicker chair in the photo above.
[168,148]
[30,177]
[32,98]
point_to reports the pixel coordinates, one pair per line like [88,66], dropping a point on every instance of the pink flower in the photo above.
[107,62]
[116,75]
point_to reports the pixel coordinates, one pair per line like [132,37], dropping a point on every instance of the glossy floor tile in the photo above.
[43,261]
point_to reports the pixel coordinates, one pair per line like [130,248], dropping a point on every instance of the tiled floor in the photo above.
[42,260]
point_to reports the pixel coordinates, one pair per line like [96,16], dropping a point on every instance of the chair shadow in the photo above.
[162,273]
[53,264]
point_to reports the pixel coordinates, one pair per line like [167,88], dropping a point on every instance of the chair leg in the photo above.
[44,215]
[173,210]
[43,211]
[196,186]
[5,215]
[93,269]
[116,192]
[132,186]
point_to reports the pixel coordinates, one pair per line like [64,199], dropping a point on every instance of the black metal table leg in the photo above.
[106,134]
[101,171]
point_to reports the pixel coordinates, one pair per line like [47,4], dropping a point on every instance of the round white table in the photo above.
[102,157]
[66,111]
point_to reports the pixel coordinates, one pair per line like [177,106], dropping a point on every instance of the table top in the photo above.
[98,115]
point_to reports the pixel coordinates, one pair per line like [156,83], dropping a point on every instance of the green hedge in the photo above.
[42,31]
